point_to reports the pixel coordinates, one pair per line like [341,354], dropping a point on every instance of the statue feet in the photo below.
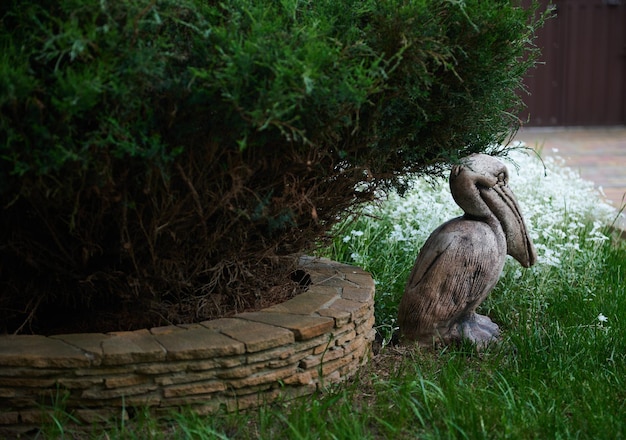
[479,329]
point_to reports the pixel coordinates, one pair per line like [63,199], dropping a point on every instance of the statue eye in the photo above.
[502,178]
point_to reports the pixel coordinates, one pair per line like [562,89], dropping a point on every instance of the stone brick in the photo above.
[358,294]
[309,362]
[309,263]
[125,381]
[255,335]
[303,327]
[131,347]
[194,388]
[362,353]
[355,344]
[265,377]
[366,325]
[325,340]
[322,290]
[105,371]
[30,372]
[356,309]
[165,330]
[19,382]
[322,264]
[280,353]
[238,372]
[330,366]
[7,393]
[39,352]
[337,332]
[199,343]
[341,317]
[301,378]
[103,394]
[327,356]
[345,338]
[171,367]
[9,418]
[332,354]
[308,302]
[361,279]
[281,363]
[152,398]
[26,398]
[321,349]
[370,335]
[91,343]
[244,391]
[291,360]
[186,377]
[326,280]
[79,383]
[230,361]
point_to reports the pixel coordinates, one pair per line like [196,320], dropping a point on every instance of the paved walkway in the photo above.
[599,154]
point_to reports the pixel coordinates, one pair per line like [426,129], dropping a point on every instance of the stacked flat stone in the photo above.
[317,338]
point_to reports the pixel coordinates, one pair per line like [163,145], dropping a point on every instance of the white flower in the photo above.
[602,318]
[557,205]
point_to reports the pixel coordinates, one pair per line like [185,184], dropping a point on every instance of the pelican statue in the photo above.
[462,259]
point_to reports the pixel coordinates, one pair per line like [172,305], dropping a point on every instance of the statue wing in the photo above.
[455,270]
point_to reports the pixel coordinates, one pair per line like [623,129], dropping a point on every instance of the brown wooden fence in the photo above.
[581,80]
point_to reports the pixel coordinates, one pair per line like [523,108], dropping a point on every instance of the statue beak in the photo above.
[504,206]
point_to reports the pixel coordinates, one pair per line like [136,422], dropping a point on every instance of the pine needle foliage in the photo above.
[171,158]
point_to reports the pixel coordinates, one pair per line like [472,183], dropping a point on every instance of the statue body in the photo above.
[461,261]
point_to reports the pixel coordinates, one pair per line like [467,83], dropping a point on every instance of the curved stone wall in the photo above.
[317,338]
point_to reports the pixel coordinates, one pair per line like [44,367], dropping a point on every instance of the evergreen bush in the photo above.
[165,161]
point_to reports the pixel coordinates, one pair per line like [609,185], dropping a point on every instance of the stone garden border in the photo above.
[317,338]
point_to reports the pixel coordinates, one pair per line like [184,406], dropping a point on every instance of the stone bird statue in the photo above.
[461,261]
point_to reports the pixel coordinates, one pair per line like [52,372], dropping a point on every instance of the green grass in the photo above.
[559,372]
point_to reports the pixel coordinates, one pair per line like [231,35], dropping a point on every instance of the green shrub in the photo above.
[170,158]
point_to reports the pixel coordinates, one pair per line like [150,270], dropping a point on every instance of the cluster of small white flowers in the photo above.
[416,214]
[353,233]
[556,203]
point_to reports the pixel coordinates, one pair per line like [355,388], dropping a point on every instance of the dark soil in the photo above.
[110,315]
